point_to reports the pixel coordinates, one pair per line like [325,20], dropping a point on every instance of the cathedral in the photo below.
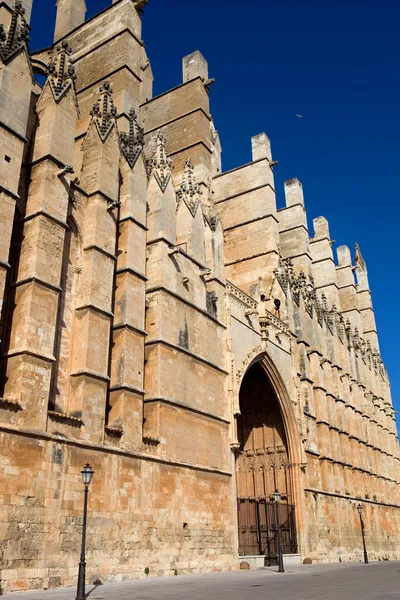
[164,321]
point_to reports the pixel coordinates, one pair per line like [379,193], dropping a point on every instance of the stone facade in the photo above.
[139,287]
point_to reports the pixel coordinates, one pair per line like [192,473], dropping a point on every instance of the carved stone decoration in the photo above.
[356,339]
[247,362]
[61,71]
[295,285]
[320,311]
[212,304]
[369,355]
[160,164]
[349,334]
[284,273]
[329,316]
[132,143]
[189,190]
[309,297]
[17,36]
[381,367]
[340,327]
[263,322]
[104,112]
[363,347]
[324,302]
[210,215]
[375,360]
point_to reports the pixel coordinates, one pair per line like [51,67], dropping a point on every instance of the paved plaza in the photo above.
[376,581]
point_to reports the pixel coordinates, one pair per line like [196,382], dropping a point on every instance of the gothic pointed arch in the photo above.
[269,456]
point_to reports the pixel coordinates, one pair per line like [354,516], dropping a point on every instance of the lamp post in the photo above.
[87,475]
[360,510]
[277,498]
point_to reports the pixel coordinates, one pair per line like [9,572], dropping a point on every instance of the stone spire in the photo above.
[61,71]
[132,143]
[160,164]
[104,112]
[358,259]
[17,36]
[189,190]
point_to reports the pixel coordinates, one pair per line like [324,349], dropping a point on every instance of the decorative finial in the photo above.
[104,112]
[17,36]
[324,301]
[132,143]
[61,71]
[189,190]
[160,165]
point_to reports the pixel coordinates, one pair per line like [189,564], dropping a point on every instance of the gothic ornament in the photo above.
[189,190]
[132,143]
[295,284]
[210,214]
[284,273]
[17,37]
[61,71]
[212,304]
[349,333]
[104,112]
[340,327]
[309,297]
[320,311]
[356,339]
[160,165]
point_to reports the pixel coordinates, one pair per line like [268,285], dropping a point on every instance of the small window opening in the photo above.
[7,158]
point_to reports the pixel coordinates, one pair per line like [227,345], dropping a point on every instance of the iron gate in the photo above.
[258,531]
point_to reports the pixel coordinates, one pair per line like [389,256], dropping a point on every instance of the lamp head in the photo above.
[360,509]
[277,496]
[87,474]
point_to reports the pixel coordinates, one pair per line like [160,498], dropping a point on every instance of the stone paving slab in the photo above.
[376,581]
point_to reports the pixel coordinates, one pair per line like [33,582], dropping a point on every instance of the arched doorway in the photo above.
[263,466]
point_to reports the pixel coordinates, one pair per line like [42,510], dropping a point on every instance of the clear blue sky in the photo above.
[337,63]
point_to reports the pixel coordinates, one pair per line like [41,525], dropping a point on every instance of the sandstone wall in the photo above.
[143,512]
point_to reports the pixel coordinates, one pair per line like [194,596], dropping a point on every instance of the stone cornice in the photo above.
[131,271]
[248,191]
[250,221]
[348,497]
[182,116]
[251,257]
[196,357]
[187,407]
[165,290]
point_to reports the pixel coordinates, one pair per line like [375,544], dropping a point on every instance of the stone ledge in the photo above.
[349,497]
[187,352]
[163,290]
[12,405]
[114,431]
[184,406]
[59,416]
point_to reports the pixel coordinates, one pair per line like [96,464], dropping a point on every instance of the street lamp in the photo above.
[360,510]
[277,499]
[87,476]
